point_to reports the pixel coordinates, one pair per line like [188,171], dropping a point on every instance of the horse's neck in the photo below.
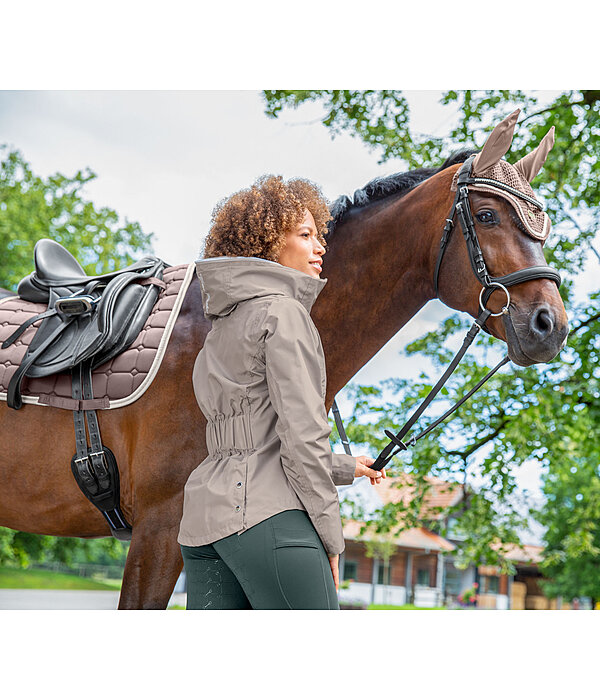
[379,270]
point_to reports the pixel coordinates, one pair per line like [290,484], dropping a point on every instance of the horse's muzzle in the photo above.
[534,337]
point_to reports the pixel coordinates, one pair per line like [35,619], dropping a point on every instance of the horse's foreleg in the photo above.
[153,564]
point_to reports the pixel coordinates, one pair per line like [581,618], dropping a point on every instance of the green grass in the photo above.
[41,579]
[38,578]
[370,607]
[400,607]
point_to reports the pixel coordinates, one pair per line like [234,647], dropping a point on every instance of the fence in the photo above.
[97,571]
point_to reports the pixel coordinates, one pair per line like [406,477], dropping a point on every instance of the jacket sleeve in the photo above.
[343,469]
[295,372]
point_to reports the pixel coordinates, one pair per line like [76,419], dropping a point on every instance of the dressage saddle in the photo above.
[88,318]
[88,321]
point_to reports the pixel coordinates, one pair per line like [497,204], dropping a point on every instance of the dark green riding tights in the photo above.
[279,564]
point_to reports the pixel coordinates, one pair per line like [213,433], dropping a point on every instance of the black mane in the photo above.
[382,187]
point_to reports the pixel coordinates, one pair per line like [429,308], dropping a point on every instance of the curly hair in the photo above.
[254,221]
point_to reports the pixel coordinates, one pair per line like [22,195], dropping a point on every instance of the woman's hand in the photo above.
[334,562]
[363,464]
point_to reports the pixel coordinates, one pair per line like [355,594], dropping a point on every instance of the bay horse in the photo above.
[382,253]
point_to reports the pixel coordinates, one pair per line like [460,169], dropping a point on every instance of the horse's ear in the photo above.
[531,164]
[497,144]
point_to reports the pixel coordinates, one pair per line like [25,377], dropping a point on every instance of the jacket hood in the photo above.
[226,281]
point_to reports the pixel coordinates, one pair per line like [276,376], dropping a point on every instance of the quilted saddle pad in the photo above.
[121,380]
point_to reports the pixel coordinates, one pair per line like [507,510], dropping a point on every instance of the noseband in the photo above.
[462,209]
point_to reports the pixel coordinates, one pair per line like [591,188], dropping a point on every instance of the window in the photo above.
[453,581]
[489,584]
[381,573]
[452,521]
[350,570]
[423,577]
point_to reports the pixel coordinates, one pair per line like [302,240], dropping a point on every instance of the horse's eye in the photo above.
[486,216]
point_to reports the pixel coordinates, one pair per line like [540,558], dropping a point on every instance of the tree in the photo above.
[571,513]
[549,413]
[382,548]
[31,208]
[569,180]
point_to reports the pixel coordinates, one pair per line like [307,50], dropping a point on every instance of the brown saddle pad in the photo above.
[121,380]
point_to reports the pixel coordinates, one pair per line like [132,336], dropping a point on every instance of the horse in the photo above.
[382,254]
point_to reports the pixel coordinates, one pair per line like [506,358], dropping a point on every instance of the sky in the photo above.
[165,158]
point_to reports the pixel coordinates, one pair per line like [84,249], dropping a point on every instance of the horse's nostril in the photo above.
[542,322]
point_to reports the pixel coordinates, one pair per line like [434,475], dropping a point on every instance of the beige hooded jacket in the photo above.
[260,382]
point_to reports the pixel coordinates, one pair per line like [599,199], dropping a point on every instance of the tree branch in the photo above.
[477,445]
[552,109]
[587,321]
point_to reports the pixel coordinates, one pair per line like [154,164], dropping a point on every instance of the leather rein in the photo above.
[462,210]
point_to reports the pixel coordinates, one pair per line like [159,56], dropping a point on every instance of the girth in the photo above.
[95,468]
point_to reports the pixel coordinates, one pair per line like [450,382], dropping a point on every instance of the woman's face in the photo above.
[302,249]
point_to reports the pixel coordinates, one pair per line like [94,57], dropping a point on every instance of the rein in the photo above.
[462,209]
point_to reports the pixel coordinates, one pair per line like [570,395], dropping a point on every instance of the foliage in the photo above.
[572,518]
[32,207]
[380,118]
[548,413]
[571,512]
[469,595]
[569,181]
[23,548]
[382,548]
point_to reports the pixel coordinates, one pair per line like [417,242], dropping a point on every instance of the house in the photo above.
[420,567]
[520,591]
[413,574]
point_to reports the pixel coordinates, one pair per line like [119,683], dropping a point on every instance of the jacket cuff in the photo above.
[343,468]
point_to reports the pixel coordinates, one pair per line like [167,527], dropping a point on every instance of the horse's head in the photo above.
[504,229]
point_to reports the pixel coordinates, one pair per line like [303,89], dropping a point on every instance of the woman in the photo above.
[261,525]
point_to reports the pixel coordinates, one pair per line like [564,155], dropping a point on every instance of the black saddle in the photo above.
[56,267]
[88,318]
[88,321]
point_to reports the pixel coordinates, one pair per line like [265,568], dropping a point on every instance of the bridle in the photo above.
[461,209]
